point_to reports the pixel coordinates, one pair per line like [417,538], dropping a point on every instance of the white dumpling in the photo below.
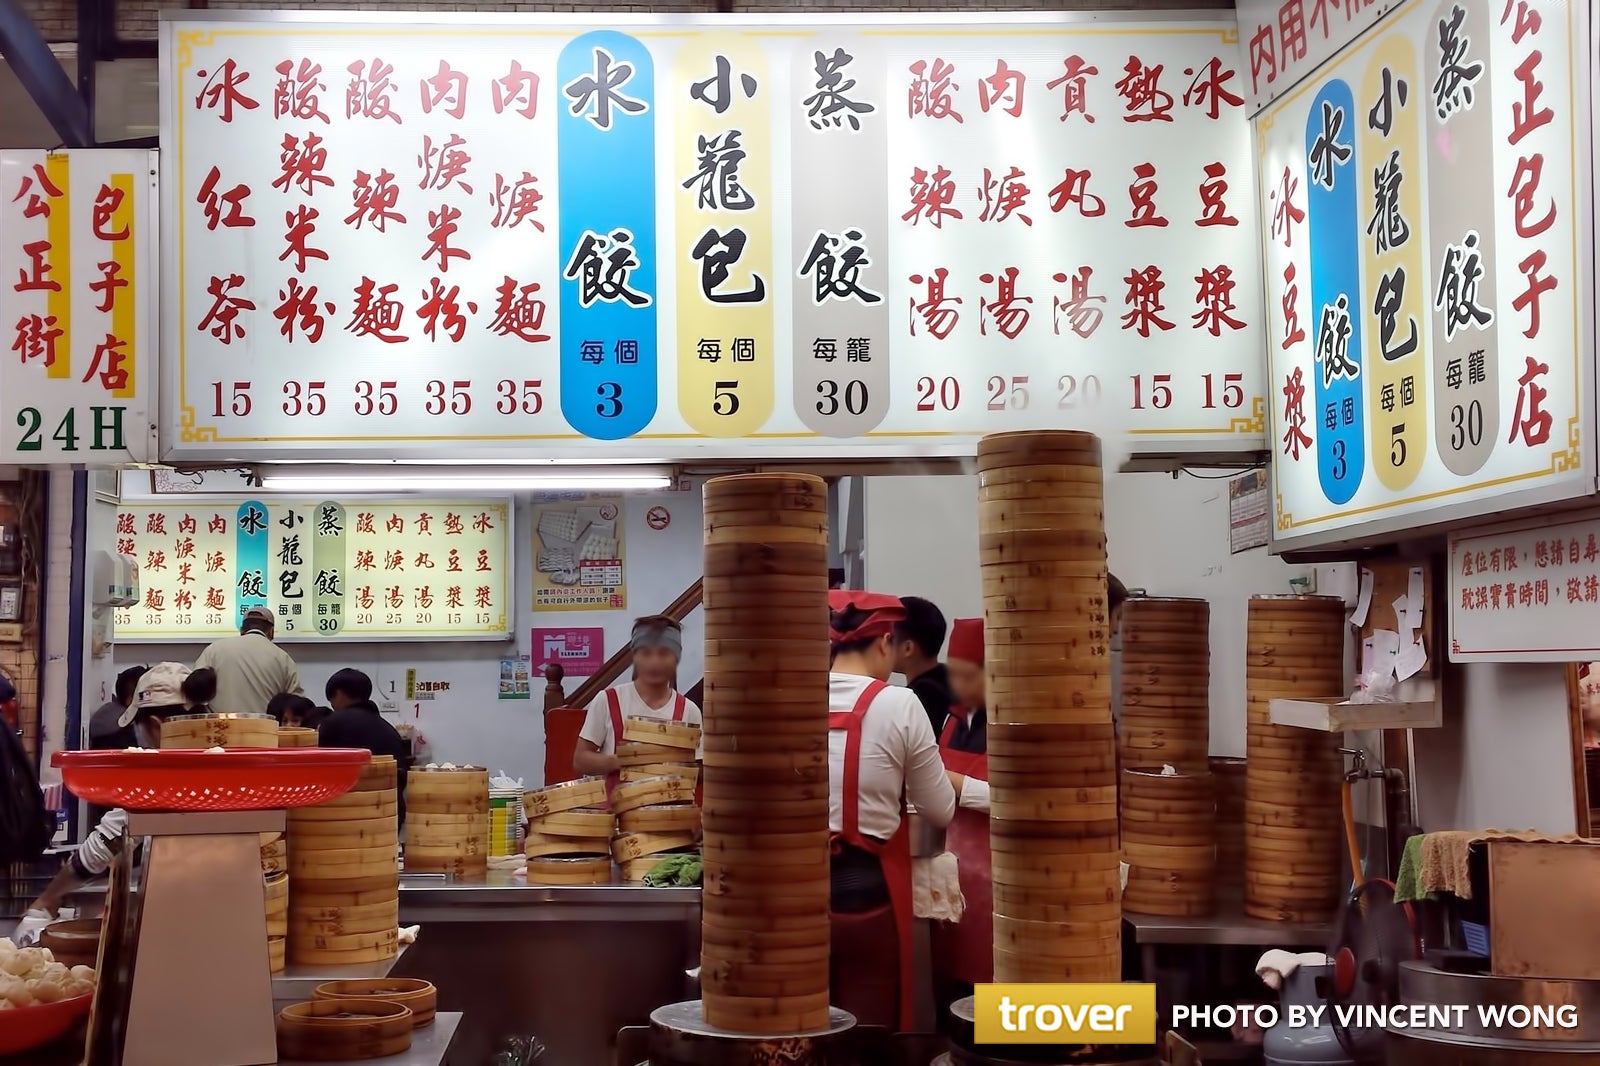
[16,964]
[48,991]
[19,994]
[82,973]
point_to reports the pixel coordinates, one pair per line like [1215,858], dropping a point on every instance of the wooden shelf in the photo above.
[1420,708]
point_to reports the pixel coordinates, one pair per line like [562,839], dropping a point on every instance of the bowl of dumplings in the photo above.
[40,999]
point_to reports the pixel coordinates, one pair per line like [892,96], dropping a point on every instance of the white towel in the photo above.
[1122,874]
[936,888]
[1276,966]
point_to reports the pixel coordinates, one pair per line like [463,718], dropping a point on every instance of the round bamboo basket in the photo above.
[1170,843]
[343,1030]
[1166,641]
[541,845]
[417,996]
[1052,744]
[765,737]
[379,775]
[344,862]
[661,818]
[629,846]
[634,870]
[293,736]
[569,795]
[1290,809]
[190,731]
[557,870]
[447,821]
[633,794]
[586,823]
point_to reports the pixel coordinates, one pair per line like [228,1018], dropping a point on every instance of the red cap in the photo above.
[875,614]
[966,640]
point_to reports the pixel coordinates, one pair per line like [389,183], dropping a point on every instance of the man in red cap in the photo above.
[881,755]
[963,953]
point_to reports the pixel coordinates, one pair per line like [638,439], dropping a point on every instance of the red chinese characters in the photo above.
[1144,301]
[1009,312]
[298,92]
[933,194]
[1143,98]
[1073,83]
[370,93]
[223,90]
[222,319]
[932,90]
[302,163]
[1295,438]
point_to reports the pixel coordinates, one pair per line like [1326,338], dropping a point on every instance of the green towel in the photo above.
[1408,882]
[680,870]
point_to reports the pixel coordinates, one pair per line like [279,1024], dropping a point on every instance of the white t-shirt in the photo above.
[899,756]
[597,724]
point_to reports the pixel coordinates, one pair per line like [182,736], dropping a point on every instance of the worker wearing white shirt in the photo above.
[881,755]
[657,647]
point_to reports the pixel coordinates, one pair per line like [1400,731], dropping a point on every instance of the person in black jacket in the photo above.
[917,640]
[357,723]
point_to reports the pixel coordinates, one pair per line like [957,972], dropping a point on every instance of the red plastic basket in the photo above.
[244,779]
[27,1028]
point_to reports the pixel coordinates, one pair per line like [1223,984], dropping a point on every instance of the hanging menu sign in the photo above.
[366,570]
[78,306]
[810,235]
[1426,201]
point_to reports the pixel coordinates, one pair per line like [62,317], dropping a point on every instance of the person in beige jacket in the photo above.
[250,668]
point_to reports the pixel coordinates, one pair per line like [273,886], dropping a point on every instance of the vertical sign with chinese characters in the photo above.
[725,238]
[1282,41]
[78,300]
[846,235]
[376,570]
[1528,592]
[1462,129]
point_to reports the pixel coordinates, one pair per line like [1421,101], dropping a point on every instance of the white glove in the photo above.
[30,927]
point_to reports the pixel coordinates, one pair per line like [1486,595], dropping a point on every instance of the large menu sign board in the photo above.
[369,569]
[78,306]
[1426,204]
[792,235]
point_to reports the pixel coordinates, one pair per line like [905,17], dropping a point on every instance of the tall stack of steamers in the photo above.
[1052,742]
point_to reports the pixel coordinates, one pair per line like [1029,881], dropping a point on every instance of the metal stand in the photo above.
[680,1036]
[966,1051]
[202,982]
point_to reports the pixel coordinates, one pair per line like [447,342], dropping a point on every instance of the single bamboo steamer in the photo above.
[759,744]
[636,870]
[274,856]
[688,771]
[781,869]
[641,845]
[384,940]
[348,888]
[1079,863]
[293,736]
[277,925]
[763,955]
[417,996]
[661,818]
[1193,858]
[276,953]
[729,595]
[387,910]
[762,850]
[312,896]
[308,844]
[1066,949]
[807,926]
[446,786]
[1067,447]
[1050,763]
[757,826]
[753,911]
[634,753]
[383,863]
[760,1015]
[1015,548]
[786,490]
[1005,779]
[539,845]
[548,870]
[1027,739]
[276,887]
[1043,477]
[1053,805]
[662,732]
[1024,830]
[349,805]
[343,1030]
[307,830]
[313,929]
[1103,968]
[785,567]
[1058,912]
[778,947]
[1080,887]
[717,881]
[794,979]
[187,732]
[1088,709]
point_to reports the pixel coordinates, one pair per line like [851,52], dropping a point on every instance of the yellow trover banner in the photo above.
[1065,1014]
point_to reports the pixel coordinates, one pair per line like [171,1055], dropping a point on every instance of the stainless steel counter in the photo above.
[568,964]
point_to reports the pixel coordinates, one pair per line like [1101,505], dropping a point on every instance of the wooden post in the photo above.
[554,695]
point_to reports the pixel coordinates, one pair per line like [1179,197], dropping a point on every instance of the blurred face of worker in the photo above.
[966,681]
[655,666]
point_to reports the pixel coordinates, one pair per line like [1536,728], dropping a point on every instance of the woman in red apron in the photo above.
[657,646]
[963,953]
[881,755]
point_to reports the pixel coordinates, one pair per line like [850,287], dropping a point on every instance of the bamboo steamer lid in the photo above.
[629,846]
[584,823]
[190,731]
[547,870]
[1056,447]
[652,790]
[417,996]
[293,736]
[343,1030]
[379,775]
[687,771]
[661,818]
[426,788]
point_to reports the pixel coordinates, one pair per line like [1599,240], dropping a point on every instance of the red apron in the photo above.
[965,951]
[895,857]
[678,705]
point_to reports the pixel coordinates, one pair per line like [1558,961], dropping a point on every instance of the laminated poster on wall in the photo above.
[516,678]
[578,552]
[581,651]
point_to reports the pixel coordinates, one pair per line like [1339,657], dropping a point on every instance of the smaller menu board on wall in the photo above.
[577,553]
[368,570]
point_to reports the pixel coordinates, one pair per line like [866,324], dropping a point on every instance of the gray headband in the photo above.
[656,635]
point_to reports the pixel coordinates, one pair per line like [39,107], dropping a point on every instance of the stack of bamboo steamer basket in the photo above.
[344,871]
[1169,841]
[447,821]
[295,736]
[1229,776]
[765,928]
[656,816]
[1295,647]
[1052,742]
[275,874]
[189,731]
[569,833]
[1166,681]
[652,747]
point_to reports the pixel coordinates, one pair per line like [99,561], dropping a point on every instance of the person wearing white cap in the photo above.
[250,668]
[657,647]
[166,689]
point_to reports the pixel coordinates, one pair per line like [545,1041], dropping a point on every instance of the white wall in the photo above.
[470,723]
[1168,537]
[1505,761]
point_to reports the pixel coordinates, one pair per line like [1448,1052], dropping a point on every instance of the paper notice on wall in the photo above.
[1385,645]
[1402,614]
[1411,659]
[1248,505]
[1416,597]
[1363,600]
[516,682]
[578,553]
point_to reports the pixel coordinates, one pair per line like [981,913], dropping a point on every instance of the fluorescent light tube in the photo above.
[468,480]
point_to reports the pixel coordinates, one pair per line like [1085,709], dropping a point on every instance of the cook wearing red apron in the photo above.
[657,644]
[963,952]
[871,971]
